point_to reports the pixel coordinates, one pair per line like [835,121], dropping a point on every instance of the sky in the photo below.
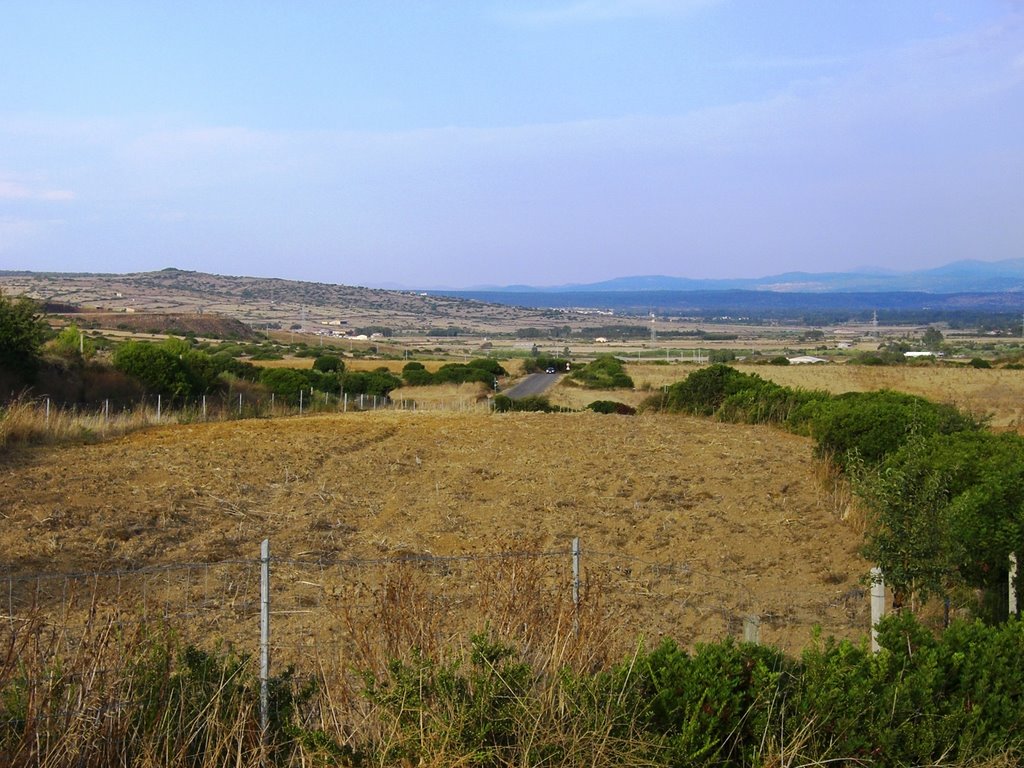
[431,143]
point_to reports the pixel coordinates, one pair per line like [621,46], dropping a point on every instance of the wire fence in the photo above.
[43,416]
[364,610]
[329,621]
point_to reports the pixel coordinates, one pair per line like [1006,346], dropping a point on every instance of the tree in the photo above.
[168,369]
[948,511]
[329,364]
[72,343]
[22,332]
[932,338]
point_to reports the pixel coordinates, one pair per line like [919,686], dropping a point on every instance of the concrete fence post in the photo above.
[265,637]
[877,604]
[576,586]
[752,629]
[1012,584]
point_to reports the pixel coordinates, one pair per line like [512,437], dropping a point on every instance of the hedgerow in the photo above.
[953,699]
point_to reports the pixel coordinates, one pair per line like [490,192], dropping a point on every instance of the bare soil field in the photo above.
[686,525]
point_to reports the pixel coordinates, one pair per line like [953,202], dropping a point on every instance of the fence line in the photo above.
[434,595]
[332,616]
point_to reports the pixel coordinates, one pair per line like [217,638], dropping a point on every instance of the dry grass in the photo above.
[25,422]
[691,524]
[995,393]
[568,396]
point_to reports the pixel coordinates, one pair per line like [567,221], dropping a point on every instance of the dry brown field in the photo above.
[686,525]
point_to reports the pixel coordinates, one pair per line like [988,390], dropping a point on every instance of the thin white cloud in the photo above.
[16,190]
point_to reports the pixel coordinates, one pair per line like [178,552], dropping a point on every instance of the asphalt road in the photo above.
[534,384]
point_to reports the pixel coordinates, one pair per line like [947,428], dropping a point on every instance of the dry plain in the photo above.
[687,526]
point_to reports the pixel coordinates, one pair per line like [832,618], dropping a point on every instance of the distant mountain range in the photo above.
[968,276]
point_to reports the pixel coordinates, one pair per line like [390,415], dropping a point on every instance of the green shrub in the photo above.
[328,364]
[170,369]
[704,391]
[459,373]
[493,367]
[709,708]
[611,406]
[606,372]
[503,404]
[379,382]
[22,332]
[480,709]
[416,375]
[871,425]
[947,512]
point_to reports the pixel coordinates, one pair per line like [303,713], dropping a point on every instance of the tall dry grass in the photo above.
[26,422]
[114,689]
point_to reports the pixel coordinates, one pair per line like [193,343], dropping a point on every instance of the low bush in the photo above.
[482,370]
[503,404]
[611,406]
[952,699]
[606,372]
[869,426]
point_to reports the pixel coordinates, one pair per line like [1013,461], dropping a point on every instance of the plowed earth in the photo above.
[686,526]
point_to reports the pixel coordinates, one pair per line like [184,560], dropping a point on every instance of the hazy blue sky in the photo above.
[454,143]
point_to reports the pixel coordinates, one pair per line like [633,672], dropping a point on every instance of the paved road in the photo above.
[534,384]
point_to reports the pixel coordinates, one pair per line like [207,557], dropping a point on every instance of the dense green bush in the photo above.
[503,403]
[871,425]
[482,369]
[722,391]
[947,511]
[328,364]
[166,369]
[459,373]
[174,369]
[611,406]
[919,701]
[703,391]
[379,382]
[952,699]
[606,372]
[22,332]
[711,707]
